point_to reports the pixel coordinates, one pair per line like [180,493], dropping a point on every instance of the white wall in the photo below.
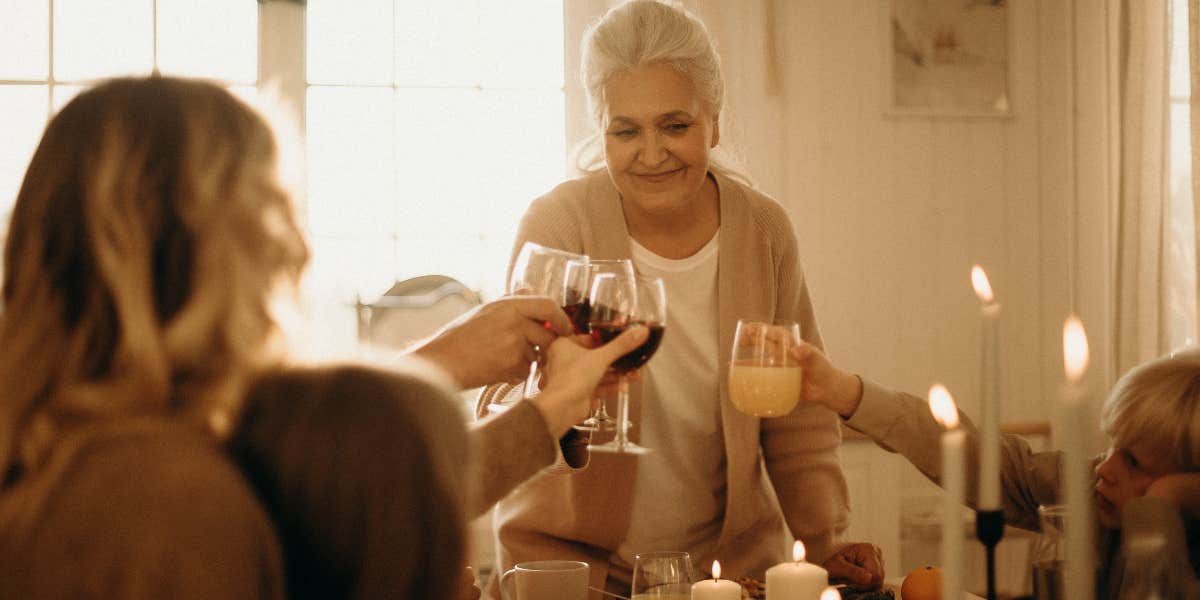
[892,212]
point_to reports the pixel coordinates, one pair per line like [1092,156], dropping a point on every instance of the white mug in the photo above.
[547,580]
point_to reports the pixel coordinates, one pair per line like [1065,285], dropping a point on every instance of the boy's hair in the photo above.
[1157,405]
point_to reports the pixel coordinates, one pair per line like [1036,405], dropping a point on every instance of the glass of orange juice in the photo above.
[764,380]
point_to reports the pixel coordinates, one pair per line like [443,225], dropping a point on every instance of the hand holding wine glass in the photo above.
[764,379]
[541,271]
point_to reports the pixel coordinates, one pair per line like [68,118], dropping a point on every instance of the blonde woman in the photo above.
[150,239]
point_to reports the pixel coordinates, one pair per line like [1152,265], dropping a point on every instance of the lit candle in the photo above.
[1073,419]
[716,588]
[796,580]
[831,593]
[941,404]
[989,388]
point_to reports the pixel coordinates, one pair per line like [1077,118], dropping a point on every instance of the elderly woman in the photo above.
[718,483]
[149,243]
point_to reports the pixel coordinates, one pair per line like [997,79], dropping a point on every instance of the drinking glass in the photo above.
[542,271]
[662,576]
[618,304]
[1049,555]
[580,314]
[764,380]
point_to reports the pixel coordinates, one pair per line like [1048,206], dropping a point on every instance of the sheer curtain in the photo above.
[1155,258]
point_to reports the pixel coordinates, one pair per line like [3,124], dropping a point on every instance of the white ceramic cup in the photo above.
[547,580]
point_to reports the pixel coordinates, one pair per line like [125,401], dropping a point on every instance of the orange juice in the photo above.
[765,391]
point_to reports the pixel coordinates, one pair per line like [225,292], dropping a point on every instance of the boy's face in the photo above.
[1123,475]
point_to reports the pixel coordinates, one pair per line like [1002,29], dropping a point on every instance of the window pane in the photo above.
[25,44]
[437,42]
[350,174]
[522,45]
[101,38]
[350,42]
[470,162]
[23,110]
[209,38]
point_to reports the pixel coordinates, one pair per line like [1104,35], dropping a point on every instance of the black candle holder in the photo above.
[989,528]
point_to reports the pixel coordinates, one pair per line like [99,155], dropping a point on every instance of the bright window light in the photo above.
[25,43]
[215,39]
[102,38]
[21,133]
[437,181]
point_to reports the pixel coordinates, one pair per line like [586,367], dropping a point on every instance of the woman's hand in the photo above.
[824,383]
[858,564]
[572,372]
[496,342]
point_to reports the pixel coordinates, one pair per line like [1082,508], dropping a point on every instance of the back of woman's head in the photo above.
[146,242]
[1156,405]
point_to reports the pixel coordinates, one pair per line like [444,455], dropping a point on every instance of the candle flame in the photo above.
[1075,348]
[831,593]
[716,569]
[983,288]
[941,404]
[798,552]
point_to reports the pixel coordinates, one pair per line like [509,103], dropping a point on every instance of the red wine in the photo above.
[579,313]
[602,333]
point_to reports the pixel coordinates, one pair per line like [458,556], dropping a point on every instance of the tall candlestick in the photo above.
[941,404]
[989,393]
[796,580]
[1072,421]
[716,588]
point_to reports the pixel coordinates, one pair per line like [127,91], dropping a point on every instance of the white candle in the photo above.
[716,588]
[831,593]
[796,580]
[989,393]
[941,404]
[1072,423]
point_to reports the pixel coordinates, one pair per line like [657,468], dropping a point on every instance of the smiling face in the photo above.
[1125,474]
[657,137]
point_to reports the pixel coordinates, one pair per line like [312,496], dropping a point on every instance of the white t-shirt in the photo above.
[680,415]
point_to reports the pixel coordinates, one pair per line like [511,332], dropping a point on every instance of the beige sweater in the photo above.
[781,474]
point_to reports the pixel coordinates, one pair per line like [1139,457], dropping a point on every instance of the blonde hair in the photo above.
[1157,405]
[641,33]
[147,242]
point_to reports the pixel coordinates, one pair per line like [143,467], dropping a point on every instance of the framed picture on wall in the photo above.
[948,58]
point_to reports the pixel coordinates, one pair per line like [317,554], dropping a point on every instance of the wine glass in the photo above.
[662,576]
[542,271]
[599,420]
[764,380]
[616,306]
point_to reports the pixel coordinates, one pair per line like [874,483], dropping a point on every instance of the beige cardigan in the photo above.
[781,474]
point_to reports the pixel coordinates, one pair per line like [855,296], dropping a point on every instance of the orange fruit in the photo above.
[922,583]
